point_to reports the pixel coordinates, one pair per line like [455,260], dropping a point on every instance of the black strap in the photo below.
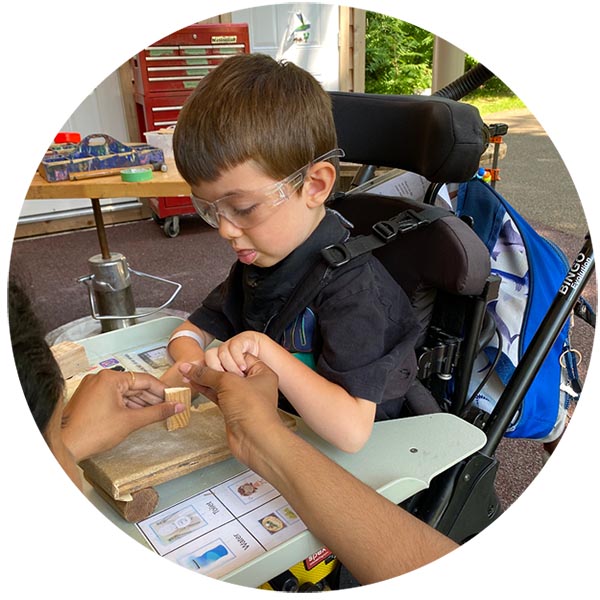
[344,255]
[384,232]
[306,291]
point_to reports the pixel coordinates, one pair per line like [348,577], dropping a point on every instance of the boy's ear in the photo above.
[318,183]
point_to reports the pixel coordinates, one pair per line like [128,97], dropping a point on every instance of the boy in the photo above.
[256,142]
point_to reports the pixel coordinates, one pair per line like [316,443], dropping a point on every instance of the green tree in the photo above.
[492,87]
[398,56]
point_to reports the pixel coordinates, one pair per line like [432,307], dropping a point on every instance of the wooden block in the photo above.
[181,395]
[71,358]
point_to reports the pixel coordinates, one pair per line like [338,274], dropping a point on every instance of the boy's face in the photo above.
[287,226]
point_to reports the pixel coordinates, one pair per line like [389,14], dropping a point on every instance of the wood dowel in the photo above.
[142,506]
[99,220]
[113,171]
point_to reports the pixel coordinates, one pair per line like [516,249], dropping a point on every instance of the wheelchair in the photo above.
[444,268]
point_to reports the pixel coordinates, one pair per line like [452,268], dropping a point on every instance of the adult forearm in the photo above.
[372,537]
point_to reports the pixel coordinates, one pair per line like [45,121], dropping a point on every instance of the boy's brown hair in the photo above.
[252,107]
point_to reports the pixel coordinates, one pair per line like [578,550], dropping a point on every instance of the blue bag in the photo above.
[531,269]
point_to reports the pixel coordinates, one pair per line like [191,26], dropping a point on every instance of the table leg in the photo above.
[99,219]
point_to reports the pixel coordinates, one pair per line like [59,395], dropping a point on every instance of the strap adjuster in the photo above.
[403,223]
[385,230]
[336,255]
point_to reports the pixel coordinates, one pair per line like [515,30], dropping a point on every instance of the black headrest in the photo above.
[438,138]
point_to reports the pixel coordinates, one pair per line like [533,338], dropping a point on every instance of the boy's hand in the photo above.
[230,355]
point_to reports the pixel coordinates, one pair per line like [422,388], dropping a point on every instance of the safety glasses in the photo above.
[253,208]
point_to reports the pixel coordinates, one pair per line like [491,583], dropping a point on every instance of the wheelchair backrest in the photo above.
[446,255]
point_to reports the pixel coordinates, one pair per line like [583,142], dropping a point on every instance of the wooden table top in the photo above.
[162,184]
[169,183]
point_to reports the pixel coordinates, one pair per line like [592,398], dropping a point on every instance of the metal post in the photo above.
[99,219]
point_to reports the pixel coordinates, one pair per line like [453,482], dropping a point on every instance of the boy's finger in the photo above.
[228,362]
[214,362]
[238,357]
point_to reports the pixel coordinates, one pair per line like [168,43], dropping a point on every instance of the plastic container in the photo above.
[67,137]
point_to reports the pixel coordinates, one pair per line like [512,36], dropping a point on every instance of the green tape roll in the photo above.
[136,174]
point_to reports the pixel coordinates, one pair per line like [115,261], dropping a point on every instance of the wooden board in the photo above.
[153,455]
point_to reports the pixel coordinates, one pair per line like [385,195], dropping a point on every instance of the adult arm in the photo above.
[372,537]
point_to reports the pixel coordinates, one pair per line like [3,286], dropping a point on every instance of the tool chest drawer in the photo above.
[165,74]
[159,111]
[179,61]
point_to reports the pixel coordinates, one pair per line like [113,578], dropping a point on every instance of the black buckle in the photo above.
[404,222]
[336,255]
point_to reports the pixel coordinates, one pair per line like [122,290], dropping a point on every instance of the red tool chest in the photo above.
[165,74]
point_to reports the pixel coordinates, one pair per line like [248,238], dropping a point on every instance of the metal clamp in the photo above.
[87,279]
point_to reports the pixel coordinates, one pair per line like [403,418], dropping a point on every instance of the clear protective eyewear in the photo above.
[252,208]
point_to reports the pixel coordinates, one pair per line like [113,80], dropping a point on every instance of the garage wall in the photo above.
[333,51]
[101,112]
[304,33]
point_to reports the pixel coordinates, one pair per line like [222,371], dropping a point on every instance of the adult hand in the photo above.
[248,404]
[108,406]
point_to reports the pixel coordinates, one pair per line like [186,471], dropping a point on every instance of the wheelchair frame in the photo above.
[462,501]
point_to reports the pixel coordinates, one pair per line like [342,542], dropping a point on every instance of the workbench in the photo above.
[400,459]
[168,183]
